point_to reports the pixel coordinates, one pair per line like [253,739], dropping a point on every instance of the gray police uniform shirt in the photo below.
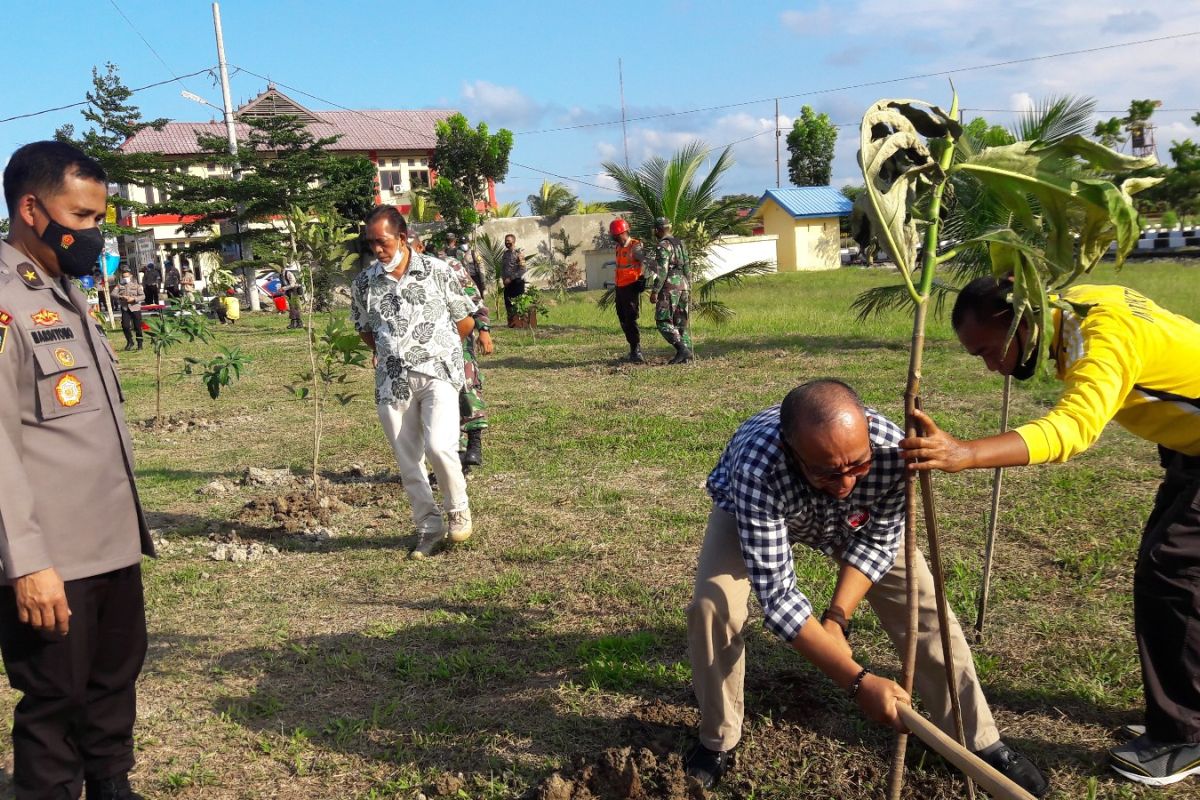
[67,493]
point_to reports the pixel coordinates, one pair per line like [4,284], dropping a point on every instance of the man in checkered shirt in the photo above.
[822,470]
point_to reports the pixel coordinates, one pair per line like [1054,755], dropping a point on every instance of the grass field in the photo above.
[341,669]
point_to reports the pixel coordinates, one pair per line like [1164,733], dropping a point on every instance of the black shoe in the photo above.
[682,355]
[139,347]
[129,345]
[706,767]
[1016,767]
[116,788]
[473,455]
[635,355]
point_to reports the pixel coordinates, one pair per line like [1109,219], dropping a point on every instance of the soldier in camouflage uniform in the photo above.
[670,291]
[473,410]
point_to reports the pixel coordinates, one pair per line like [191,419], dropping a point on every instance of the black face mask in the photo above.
[77,250]
[1023,371]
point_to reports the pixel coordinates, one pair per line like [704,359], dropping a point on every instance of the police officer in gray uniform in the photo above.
[72,532]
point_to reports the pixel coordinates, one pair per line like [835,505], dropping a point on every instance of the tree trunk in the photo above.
[158,389]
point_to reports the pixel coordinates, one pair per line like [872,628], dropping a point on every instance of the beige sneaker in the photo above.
[460,525]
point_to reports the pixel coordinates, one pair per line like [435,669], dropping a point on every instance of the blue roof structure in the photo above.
[808,201]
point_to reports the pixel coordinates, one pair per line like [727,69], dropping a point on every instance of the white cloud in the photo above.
[1021,101]
[822,19]
[500,106]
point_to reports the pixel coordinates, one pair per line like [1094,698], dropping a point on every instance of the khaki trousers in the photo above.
[718,613]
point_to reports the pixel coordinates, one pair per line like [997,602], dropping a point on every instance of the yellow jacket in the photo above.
[1129,360]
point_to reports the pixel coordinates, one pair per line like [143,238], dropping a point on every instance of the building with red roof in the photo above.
[399,143]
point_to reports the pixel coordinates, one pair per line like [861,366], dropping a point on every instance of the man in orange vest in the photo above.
[630,285]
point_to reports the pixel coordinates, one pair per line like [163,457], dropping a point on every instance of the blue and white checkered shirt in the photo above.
[776,507]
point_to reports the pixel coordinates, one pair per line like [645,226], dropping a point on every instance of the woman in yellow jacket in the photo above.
[1124,358]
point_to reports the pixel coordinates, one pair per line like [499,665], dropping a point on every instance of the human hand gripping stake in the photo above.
[42,601]
[936,449]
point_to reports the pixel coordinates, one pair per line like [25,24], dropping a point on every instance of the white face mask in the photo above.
[124,280]
[395,262]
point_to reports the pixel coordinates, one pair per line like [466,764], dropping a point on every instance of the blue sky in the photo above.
[533,66]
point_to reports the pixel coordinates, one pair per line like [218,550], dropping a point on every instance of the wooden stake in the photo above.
[993,519]
[991,781]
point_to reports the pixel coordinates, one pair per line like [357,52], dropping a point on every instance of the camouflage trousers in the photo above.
[472,410]
[671,313]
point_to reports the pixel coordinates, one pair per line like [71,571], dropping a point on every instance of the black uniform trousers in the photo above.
[131,325]
[511,292]
[628,300]
[151,290]
[1166,603]
[76,718]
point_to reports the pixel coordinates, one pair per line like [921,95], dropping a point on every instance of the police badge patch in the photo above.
[64,357]
[68,391]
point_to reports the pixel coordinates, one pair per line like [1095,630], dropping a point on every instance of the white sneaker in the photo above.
[460,525]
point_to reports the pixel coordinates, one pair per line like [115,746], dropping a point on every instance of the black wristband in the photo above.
[839,618]
[856,684]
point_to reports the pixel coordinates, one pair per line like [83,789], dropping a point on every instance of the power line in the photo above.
[147,43]
[1095,111]
[834,90]
[177,78]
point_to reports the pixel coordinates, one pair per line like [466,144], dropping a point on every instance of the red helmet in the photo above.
[618,226]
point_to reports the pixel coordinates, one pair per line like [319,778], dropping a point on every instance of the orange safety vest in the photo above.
[628,270]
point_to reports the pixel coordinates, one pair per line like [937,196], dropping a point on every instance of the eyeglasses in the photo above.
[825,475]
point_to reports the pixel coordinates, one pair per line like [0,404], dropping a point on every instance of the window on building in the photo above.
[412,162]
[395,162]
[389,179]
[212,166]
[418,177]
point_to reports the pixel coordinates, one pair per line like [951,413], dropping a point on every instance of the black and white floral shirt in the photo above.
[413,320]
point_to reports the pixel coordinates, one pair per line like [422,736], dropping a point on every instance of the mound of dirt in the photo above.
[295,510]
[620,774]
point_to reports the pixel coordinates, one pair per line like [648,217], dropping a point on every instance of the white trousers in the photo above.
[427,425]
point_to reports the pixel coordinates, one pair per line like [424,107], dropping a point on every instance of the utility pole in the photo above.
[624,132]
[778,184]
[231,132]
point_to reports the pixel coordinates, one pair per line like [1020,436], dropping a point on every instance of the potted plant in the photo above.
[528,305]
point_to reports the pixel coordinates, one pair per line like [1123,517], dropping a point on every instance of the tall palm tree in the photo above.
[675,189]
[510,209]
[553,200]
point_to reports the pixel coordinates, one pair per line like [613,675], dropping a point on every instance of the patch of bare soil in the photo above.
[186,423]
[294,510]
[620,774]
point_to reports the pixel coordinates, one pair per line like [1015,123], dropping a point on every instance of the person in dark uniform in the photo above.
[171,282]
[151,280]
[72,532]
[128,296]
[512,273]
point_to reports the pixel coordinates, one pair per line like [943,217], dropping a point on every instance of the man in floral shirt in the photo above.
[411,311]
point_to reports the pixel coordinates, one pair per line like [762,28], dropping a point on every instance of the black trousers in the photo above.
[131,325]
[174,292]
[628,300]
[151,291]
[1166,603]
[76,718]
[511,293]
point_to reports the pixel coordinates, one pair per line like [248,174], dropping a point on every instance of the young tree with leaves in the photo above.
[810,146]
[1059,218]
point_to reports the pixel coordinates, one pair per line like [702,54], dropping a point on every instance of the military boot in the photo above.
[682,354]
[473,455]
[635,355]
